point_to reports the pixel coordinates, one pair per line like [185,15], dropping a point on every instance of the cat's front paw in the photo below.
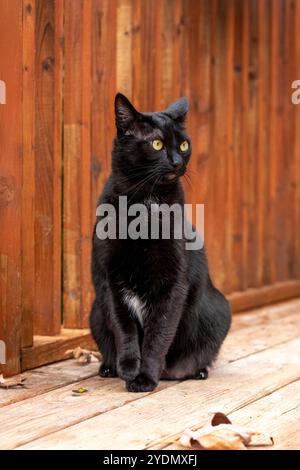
[141,383]
[107,371]
[128,367]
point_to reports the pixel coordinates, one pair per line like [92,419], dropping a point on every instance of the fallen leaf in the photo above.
[14,382]
[220,418]
[79,391]
[223,435]
[83,356]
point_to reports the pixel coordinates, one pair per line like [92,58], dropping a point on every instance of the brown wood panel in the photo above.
[236,267]
[296,150]
[104,23]
[28,186]
[244,150]
[11,182]
[48,76]
[77,155]
[253,167]
[280,158]
[226,57]
[124,47]
[48,349]
[263,208]
[217,204]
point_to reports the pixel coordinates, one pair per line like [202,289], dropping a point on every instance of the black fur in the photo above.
[185,317]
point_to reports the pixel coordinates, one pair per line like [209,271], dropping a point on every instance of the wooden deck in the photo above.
[255,381]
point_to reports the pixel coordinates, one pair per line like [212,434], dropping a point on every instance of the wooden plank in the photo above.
[229,388]
[124,47]
[103,93]
[136,59]
[275,415]
[48,75]
[109,394]
[178,30]
[236,267]
[77,154]
[296,241]
[48,349]
[167,52]
[252,326]
[217,205]
[263,214]
[251,298]
[55,410]
[260,332]
[287,174]
[253,166]
[198,31]
[46,378]
[228,154]
[11,183]
[28,187]
[244,150]
[279,162]
[270,312]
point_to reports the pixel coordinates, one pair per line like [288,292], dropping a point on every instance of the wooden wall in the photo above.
[11,181]
[235,60]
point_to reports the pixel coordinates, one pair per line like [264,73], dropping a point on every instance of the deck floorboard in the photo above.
[256,381]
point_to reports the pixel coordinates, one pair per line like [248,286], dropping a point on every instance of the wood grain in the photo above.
[235,61]
[48,349]
[229,388]
[60,410]
[46,378]
[77,156]
[28,187]
[276,415]
[11,183]
[48,115]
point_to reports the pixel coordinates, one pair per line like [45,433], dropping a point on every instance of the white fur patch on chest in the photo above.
[135,304]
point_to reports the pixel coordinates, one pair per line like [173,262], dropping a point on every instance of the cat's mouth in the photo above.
[171,176]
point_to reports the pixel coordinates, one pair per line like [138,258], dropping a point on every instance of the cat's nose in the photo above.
[177,161]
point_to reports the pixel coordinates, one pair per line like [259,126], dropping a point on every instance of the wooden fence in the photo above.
[62,62]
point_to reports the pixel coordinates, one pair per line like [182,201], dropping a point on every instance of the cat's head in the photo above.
[153,145]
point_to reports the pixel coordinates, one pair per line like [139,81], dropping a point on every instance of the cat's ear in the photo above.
[178,110]
[126,114]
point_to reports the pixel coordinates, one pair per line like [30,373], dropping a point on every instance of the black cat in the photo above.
[156,313]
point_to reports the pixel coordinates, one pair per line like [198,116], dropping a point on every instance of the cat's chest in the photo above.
[136,305]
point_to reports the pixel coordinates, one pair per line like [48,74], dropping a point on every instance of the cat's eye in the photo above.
[157,144]
[184,146]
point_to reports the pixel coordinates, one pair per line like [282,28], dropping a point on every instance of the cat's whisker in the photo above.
[153,186]
[193,171]
[188,180]
[142,183]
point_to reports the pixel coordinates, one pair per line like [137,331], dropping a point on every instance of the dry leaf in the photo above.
[220,418]
[14,382]
[223,435]
[79,391]
[83,356]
